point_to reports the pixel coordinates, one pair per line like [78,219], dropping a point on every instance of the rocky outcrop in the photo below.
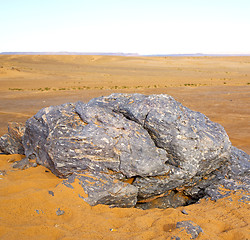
[148,151]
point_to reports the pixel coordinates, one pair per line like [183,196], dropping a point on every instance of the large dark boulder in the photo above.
[168,154]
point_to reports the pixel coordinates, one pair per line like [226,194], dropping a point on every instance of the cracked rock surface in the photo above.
[169,154]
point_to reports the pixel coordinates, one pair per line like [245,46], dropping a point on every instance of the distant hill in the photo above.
[196,55]
[69,53]
[123,54]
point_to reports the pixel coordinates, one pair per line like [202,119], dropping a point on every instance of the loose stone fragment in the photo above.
[51,193]
[184,212]
[3,172]
[190,227]
[59,212]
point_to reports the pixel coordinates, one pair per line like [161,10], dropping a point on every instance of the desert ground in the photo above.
[219,87]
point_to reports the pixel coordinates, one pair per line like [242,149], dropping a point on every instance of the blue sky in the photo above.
[135,26]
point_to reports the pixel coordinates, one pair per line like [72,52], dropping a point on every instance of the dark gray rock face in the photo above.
[192,142]
[170,154]
[75,137]
[11,142]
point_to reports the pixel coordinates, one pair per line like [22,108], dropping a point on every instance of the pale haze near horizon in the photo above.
[132,26]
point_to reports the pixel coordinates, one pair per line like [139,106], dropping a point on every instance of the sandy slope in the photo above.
[218,87]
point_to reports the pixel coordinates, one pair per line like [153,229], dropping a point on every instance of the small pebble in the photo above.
[51,193]
[175,238]
[39,211]
[184,212]
[34,164]
[59,212]
[11,160]
[113,230]
[2,172]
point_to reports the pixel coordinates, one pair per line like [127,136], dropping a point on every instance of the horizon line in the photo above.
[122,54]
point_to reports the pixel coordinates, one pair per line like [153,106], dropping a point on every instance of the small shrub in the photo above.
[16,89]
[190,84]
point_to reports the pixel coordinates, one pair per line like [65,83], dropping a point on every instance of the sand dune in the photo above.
[216,86]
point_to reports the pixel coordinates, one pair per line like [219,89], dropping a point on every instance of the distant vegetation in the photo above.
[190,84]
[16,89]
[77,88]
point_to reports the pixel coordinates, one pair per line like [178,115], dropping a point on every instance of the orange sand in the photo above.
[219,89]
[25,192]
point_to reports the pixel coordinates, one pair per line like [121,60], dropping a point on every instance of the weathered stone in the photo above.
[238,164]
[37,138]
[72,138]
[24,164]
[193,143]
[11,142]
[184,212]
[175,238]
[51,193]
[59,212]
[3,172]
[245,199]
[169,154]
[190,227]
[232,176]
[103,189]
